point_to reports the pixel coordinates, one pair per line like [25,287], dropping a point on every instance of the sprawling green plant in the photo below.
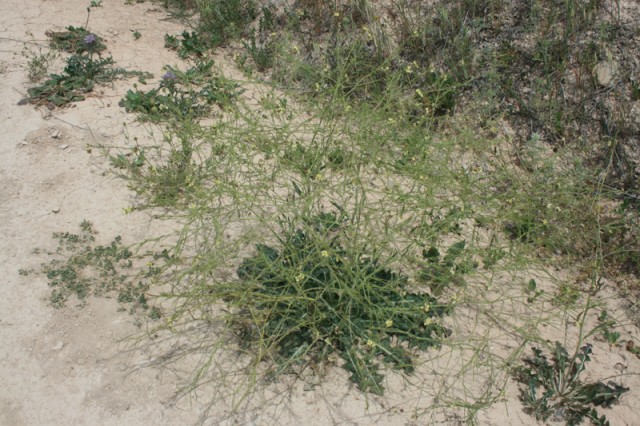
[312,297]
[89,269]
[554,390]
[74,40]
[188,94]
[85,68]
[77,79]
[187,44]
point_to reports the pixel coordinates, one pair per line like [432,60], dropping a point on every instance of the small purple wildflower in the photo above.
[169,76]
[90,39]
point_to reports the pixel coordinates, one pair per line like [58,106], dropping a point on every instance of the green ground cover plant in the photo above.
[554,389]
[183,94]
[77,79]
[84,69]
[82,268]
[312,298]
[187,44]
[72,40]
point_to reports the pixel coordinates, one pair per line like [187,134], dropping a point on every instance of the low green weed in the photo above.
[188,44]
[311,297]
[168,174]
[74,41]
[553,390]
[87,269]
[605,324]
[189,94]
[84,69]
[260,51]
[38,61]
[77,79]
[442,271]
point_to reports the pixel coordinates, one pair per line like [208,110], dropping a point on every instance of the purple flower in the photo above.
[169,76]
[90,39]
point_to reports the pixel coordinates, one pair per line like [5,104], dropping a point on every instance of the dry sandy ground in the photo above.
[68,367]
[61,367]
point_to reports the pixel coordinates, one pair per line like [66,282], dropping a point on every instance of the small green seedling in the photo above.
[605,324]
[531,289]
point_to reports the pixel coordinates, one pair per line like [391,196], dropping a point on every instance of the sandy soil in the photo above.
[70,366]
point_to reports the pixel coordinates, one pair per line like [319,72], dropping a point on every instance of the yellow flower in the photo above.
[419,93]
[388,323]
[428,322]
[426,307]
[324,253]
[299,277]
[370,343]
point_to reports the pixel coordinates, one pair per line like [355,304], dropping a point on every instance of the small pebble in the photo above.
[58,345]
[64,146]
